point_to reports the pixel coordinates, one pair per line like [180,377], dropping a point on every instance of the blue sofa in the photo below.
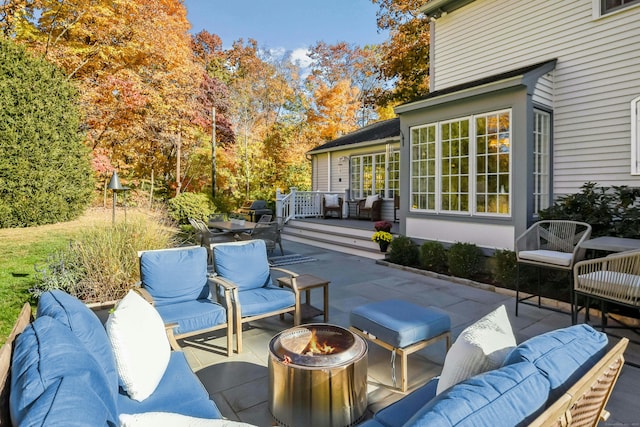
[63,372]
[534,377]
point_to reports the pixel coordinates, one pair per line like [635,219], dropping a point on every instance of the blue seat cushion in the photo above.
[175,275]
[85,325]
[193,315]
[400,323]
[45,353]
[178,380]
[401,410]
[243,263]
[265,300]
[71,402]
[510,396]
[563,355]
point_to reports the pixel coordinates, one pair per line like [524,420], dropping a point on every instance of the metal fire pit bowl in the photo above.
[323,390]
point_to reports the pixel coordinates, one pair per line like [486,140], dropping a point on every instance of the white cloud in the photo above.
[300,57]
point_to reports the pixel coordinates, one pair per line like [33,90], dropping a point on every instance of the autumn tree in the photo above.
[405,55]
[134,65]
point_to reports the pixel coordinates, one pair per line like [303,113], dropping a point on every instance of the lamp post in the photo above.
[115,186]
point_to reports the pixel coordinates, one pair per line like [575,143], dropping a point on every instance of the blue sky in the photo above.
[286,24]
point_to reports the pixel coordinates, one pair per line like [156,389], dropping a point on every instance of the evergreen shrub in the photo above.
[465,260]
[189,205]
[505,268]
[433,257]
[45,171]
[404,251]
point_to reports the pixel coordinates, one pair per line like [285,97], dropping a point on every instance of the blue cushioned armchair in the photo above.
[176,282]
[243,269]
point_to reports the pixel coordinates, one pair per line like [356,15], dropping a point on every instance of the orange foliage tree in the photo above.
[405,55]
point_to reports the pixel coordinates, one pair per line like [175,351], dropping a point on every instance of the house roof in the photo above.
[529,74]
[373,132]
[436,8]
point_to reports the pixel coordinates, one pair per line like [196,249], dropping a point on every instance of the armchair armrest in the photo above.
[229,289]
[285,271]
[168,327]
[143,293]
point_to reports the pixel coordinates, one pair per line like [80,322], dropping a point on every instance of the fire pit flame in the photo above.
[314,347]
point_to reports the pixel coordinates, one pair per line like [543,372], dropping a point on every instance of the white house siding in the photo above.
[543,93]
[596,76]
[321,172]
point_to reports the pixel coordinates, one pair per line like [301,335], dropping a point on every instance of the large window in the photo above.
[607,6]
[393,169]
[542,160]
[423,168]
[451,174]
[375,174]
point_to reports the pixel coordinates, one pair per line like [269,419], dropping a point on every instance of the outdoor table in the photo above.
[306,282]
[611,244]
[232,226]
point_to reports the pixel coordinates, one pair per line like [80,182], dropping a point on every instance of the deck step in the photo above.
[335,237]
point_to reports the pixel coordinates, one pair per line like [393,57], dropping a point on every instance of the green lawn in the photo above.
[20,250]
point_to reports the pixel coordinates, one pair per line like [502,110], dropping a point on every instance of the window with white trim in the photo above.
[635,136]
[449,174]
[393,173]
[423,168]
[373,174]
[541,159]
[608,6]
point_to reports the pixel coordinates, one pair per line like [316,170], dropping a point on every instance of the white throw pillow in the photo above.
[167,419]
[331,200]
[368,203]
[480,347]
[140,345]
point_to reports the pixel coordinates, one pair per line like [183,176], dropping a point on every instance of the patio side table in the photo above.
[305,283]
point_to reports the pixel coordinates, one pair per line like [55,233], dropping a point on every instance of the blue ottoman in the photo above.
[401,327]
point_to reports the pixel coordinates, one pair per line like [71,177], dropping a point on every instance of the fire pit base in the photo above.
[318,391]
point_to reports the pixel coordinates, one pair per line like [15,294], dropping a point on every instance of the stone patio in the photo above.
[239,384]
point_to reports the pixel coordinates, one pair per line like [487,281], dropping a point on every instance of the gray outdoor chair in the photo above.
[267,231]
[552,244]
[206,236]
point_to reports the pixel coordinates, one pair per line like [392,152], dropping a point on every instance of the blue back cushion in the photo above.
[245,264]
[175,275]
[510,396]
[563,355]
[85,325]
[69,402]
[45,353]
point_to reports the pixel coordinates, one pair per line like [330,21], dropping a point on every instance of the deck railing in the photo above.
[301,204]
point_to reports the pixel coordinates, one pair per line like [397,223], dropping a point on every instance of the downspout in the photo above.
[432,54]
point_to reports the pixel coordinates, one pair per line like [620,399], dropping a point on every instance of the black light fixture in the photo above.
[115,186]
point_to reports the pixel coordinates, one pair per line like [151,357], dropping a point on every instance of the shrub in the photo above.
[433,257]
[45,172]
[505,267]
[102,264]
[611,211]
[403,251]
[465,260]
[189,205]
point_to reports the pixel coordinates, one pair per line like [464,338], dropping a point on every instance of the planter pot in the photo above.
[383,246]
